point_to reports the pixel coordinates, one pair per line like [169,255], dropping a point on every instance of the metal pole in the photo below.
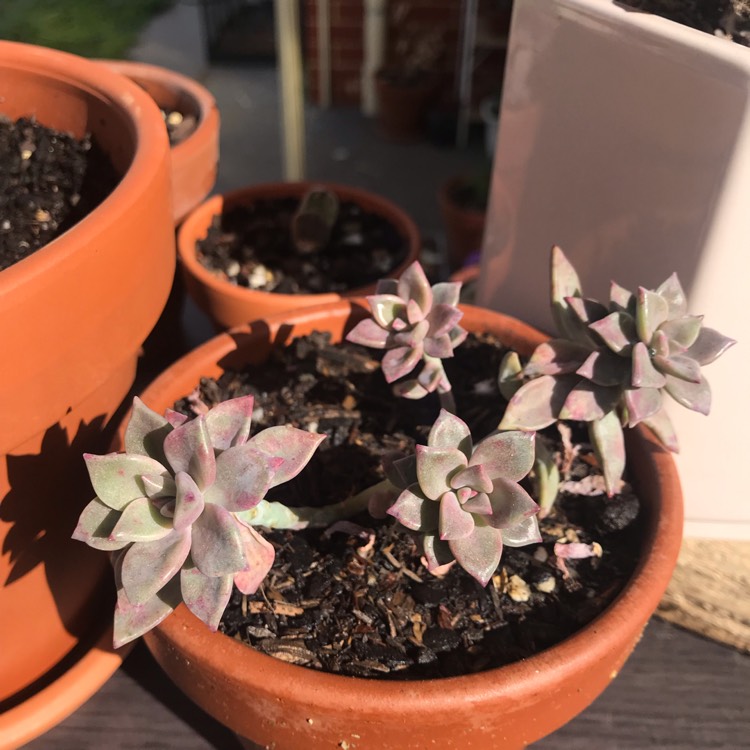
[466,71]
[324,52]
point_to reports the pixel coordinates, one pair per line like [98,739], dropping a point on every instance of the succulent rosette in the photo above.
[416,323]
[464,499]
[167,508]
[613,365]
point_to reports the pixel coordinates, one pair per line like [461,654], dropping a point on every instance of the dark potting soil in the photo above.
[251,246]
[726,18]
[362,603]
[49,181]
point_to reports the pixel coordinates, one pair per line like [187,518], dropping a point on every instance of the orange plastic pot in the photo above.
[287,707]
[195,159]
[72,319]
[229,305]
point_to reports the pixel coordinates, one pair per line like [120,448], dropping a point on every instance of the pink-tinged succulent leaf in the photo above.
[158,485]
[651,311]
[510,505]
[386,308]
[660,344]
[147,567]
[523,533]
[446,293]
[95,525]
[379,501]
[414,313]
[506,455]
[443,319]
[617,331]
[218,548]
[368,333]
[411,337]
[400,362]
[450,432]
[609,446]
[556,357]
[709,346]
[479,553]
[411,389]
[695,396]
[431,375]
[436,467]
[683,332]
[293,446]
[587,402]
[228,423]
[414,511]
[565,284]
[398,325]
[508,377]
[458,336]
[475,477]
[259,554]
[400,471]
[206,597]
[188,448]
[671,291]
[587,311]
[645,375]
[478,503]
[387,286]
[537,403]
[189,502]
[175,418]
[439,347]
[641,404]
[661,425]
[605,368]
[141,521]
[116,477]
[679,365]
[455,522]
[243,477]
[437,552]
[146,431]
[133,620]
[621,299]
[413,285]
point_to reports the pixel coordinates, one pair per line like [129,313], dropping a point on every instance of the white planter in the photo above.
[624,138]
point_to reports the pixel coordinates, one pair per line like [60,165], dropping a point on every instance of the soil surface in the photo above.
[359,601]
[725,18]
[251,246]
[49,180]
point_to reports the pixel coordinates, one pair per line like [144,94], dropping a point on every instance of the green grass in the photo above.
[92,28]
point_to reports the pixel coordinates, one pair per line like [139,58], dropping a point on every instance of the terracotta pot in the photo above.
[283,706]
[402,108]
[229,305]
[464,227]
[195,159]
[72,319]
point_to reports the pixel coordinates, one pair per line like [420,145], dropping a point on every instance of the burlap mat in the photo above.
[710,591]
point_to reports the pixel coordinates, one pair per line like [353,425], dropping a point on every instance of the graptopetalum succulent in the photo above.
[169,509]
[611,365]
[178,508]
[416,323]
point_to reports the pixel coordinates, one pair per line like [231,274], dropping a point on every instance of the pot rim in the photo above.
[197,222]
[149,149]
[622,620]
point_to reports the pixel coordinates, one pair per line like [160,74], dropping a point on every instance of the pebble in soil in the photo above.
[364,604]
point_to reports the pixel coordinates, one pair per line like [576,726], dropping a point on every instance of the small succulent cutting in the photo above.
[417,324]
[169,509]
[612,365]
[465,499]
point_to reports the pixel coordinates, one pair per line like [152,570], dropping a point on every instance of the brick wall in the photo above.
[407,19]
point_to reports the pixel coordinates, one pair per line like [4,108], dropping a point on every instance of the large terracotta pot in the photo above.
[72,319]
[286,707]
[230,305]
[402,107]
[195,159]
[464,227]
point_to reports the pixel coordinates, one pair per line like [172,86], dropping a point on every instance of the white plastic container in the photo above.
[624,138]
